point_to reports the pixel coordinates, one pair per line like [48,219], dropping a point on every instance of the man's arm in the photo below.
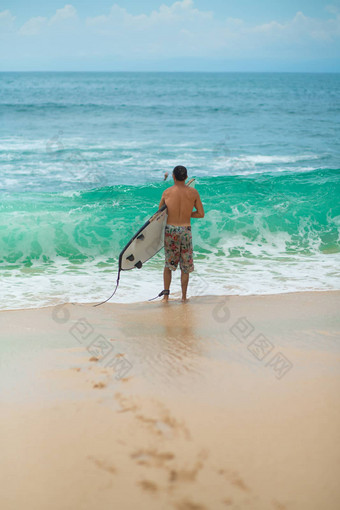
[162,202]
[199,213]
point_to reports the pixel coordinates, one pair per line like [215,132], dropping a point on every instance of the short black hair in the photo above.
[180,173]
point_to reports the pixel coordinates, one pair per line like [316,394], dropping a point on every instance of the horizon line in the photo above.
[163,71]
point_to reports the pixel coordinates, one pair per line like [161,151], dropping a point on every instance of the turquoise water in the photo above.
[82,160]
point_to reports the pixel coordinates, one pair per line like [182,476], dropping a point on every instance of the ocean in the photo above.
[82,163]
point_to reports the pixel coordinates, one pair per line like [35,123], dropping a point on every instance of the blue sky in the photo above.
[169,35]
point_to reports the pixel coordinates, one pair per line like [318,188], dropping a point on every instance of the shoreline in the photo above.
[190,299]
[221,402]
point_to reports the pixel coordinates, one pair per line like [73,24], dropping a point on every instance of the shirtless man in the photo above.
[181,200]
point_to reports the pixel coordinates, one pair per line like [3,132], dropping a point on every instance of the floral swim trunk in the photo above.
[178,248]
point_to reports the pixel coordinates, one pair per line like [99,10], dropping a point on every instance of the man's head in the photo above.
[180,173]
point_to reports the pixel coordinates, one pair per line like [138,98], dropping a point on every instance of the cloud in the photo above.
[6,21]
[334,9]
[178,30]
[33,26]
[180,11]
[301,27]
[60,20]
[163,32]
[66,13]
[176,15]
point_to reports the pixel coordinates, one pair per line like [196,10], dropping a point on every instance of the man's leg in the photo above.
[167,281]
[184,284]
[186,259]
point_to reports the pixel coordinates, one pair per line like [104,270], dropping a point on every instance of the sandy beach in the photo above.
[222,402]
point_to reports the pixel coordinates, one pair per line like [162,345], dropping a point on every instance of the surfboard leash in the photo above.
[163,293]
[114,292]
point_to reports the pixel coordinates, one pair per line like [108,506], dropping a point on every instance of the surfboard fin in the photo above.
[138,264]
[141,237]
[130,257]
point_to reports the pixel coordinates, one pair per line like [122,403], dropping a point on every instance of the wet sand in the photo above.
[222,402]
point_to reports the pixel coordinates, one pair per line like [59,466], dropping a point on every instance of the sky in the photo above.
[168,35]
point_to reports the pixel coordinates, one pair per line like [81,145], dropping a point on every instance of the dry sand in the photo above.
[222,402]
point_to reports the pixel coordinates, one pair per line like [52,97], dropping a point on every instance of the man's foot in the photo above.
[165,293]
[184,299]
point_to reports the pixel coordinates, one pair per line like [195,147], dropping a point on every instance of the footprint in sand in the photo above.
[102,464]
[239,483]
[189,505]
[126,379]
[278,505]
[152,458]
[148,486]
[188,475]
[234,478]
[99,385]
[160,422]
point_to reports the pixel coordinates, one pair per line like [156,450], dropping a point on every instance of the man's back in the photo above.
[180,201]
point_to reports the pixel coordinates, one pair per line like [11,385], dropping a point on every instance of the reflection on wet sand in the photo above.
[164,339]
